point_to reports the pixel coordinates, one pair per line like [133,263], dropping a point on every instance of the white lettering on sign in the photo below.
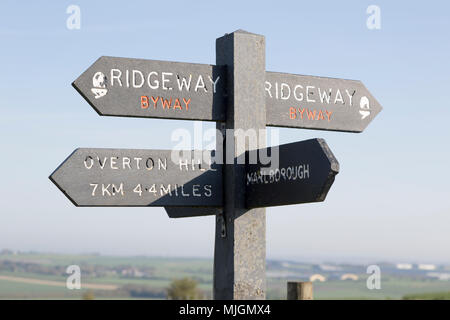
[193,165]
[102,189]
[309,93]
[109,189]
[161,80]
[312,103]
[137,83]
[290,173]
[158,190]
[175,190]
[147,163]
[124,163]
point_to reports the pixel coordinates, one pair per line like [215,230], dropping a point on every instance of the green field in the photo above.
[391,288]
[15,290]
[157,274]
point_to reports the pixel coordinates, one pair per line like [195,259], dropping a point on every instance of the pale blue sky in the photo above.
[390,201]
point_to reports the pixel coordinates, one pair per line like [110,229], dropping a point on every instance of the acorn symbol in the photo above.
[99,85]
[365,107]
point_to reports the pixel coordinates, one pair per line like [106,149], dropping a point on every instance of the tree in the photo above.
[184,289]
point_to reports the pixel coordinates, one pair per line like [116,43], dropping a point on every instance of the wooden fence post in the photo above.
[300,290]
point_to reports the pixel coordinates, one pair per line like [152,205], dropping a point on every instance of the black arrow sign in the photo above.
[305,172]
[187,212]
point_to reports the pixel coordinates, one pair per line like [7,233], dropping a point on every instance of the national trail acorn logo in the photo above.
[99,85]
[365,107]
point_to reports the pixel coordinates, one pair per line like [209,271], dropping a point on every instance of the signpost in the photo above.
[305,173]
[133,178]
[175,90]
[318,103]
[239,95]
[153,89]
[240,245]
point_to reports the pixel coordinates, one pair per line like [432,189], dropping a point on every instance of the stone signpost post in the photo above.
[235,182]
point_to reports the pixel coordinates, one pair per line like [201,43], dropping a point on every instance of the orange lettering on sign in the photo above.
[311,114]
[144,102]
[187,103]
[155,101]
[177,104]
[301,112]
[166,103]
[320,116]
[292,113]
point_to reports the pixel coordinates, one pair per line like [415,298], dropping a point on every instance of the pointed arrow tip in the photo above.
[55,182]
[334,163]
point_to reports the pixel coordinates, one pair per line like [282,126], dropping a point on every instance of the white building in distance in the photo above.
[317,277]
[428,267]
[349,276]
[404,266]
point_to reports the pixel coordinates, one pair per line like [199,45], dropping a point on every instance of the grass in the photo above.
[391,288]
[16,290]
[167,269]
[429,296]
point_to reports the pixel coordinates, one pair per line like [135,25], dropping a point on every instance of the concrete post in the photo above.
[240,243]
